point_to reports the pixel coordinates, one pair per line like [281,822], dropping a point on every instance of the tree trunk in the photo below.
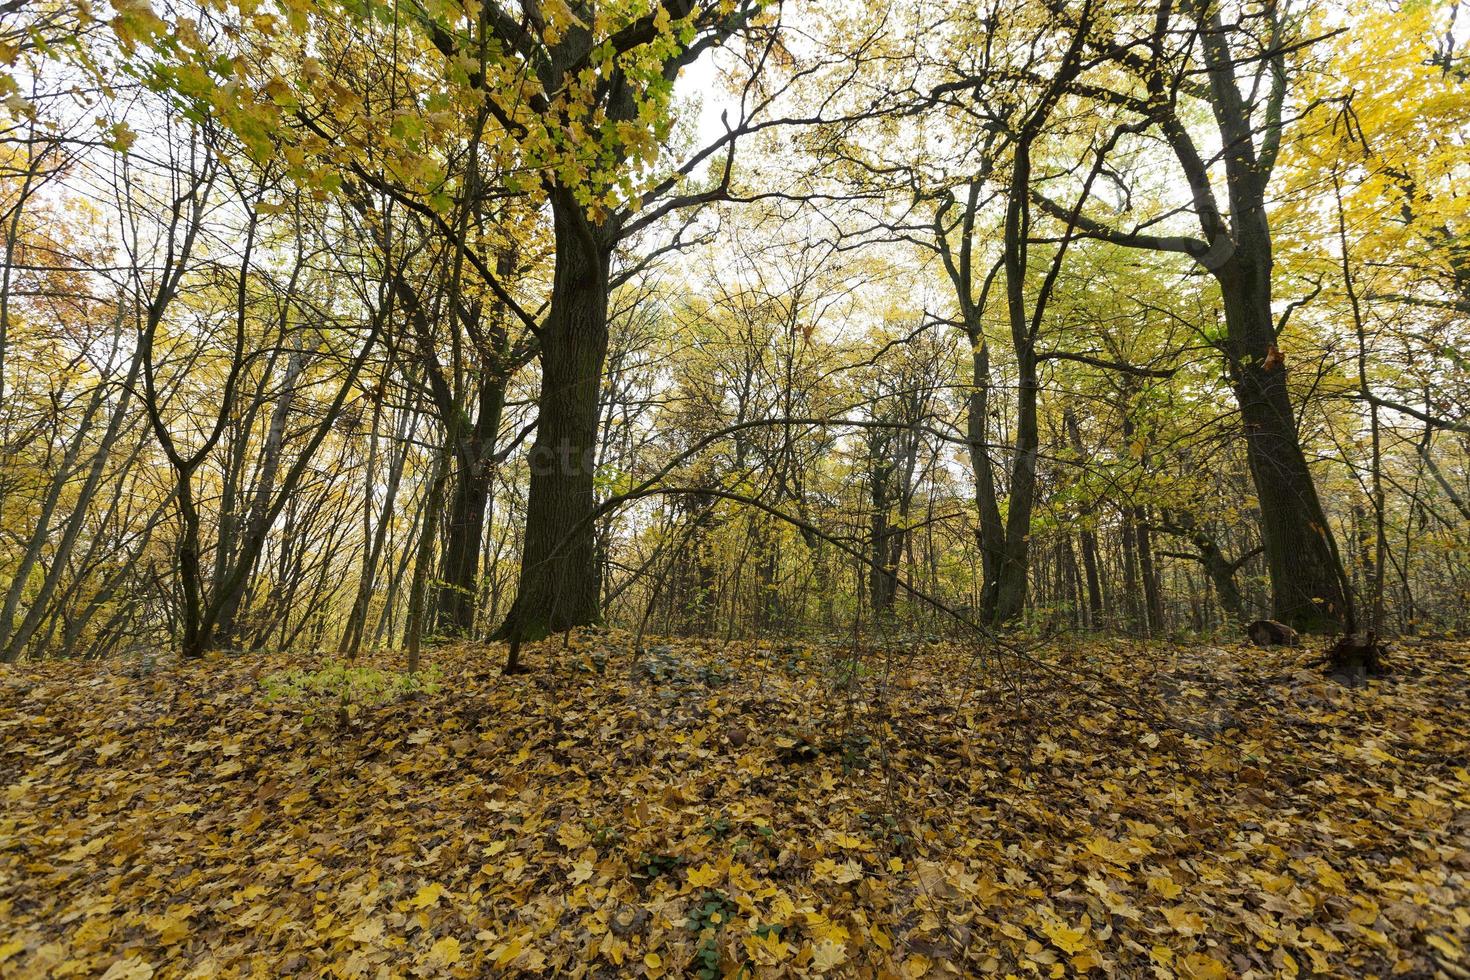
[194,642]
[1219,569]
[418,590]
[559,575]
[12,644]
[465,521]
[352,633]
[1010,592]
[882,572]
[256,527]
[1087,534]
[1130,571]
[1306,573]
[990,535]
[1153,602]
[705,601]
[767,613]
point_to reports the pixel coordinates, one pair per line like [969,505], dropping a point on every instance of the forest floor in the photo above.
[1125,809]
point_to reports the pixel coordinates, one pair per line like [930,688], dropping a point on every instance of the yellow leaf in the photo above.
[704,876]
[1448,947]
[129,969]
[1065,938]
[445,952]
[1111,851]
[1164,886]
[1365,912]
[428,896]
[1322,938]
[1184,921]
[652,961]
[508,952]
[83,851]
[582,871]
[917,965]
[571,836]
[1200,966]
[828,954]
[171,932]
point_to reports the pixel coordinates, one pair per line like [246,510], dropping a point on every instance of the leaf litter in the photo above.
[704,808]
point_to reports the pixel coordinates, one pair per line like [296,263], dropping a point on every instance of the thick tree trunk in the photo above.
[559,574]
[1306,573]
[1010,592]
[1010,598]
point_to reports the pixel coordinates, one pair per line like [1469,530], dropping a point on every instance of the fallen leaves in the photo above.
[592,819]
[428,896]
[1066,938]
[444,952]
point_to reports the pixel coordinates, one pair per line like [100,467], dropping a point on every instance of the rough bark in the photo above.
[1010,591]
[559,576]
[1306,576]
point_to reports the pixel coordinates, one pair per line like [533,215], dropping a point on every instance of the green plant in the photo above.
[347,684]
[708,917]
[654,865]
[848,671]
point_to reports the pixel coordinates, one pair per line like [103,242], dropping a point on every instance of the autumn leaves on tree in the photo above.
[497,240]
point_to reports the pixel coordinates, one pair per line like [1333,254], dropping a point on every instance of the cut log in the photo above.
[1358,656]
[1269,633]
